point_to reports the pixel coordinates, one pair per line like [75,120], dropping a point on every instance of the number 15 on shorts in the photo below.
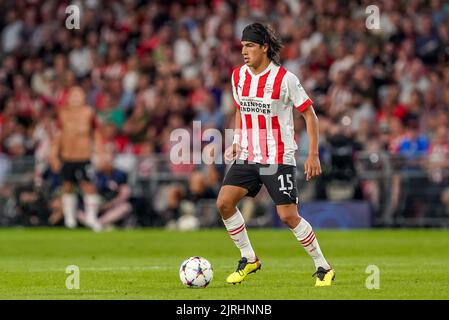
[283,179]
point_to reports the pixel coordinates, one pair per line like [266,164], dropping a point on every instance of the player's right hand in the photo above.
[232,152]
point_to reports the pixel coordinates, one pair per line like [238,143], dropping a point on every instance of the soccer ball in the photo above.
[196,272]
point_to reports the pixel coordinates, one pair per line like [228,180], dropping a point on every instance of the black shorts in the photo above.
[279,179]
[77,171]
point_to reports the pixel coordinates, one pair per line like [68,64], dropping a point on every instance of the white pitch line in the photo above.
[103,269]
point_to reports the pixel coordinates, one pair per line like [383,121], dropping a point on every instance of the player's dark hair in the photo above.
[270,38]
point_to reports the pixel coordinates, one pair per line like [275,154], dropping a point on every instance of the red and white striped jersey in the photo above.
[266,103]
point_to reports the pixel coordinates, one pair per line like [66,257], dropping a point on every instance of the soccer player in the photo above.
[71,154]
[265,95]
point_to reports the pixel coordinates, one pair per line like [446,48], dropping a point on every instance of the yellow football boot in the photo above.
[244,268]
[324,277]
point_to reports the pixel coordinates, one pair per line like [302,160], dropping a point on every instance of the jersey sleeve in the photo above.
[122,178]
[296,93]
[235,82]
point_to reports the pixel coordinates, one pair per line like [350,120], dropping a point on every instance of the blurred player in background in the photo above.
[265,95]
[72,151]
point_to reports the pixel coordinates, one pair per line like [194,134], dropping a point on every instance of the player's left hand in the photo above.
[312,167]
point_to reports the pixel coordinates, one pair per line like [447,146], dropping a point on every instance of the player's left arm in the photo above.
[97,135]
[312,166]
[301,102]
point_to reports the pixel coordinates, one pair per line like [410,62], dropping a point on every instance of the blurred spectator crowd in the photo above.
[149,67]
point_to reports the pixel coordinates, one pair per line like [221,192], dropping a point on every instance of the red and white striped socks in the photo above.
[237,231]
[305,235]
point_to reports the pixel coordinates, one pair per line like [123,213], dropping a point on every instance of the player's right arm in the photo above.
[233,151]
[55,161]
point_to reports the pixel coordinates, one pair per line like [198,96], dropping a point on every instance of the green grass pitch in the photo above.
[143,264]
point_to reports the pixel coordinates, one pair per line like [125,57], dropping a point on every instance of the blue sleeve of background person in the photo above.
[423,144]
[100,182]
[404,146]
[126,100]
[120,177]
